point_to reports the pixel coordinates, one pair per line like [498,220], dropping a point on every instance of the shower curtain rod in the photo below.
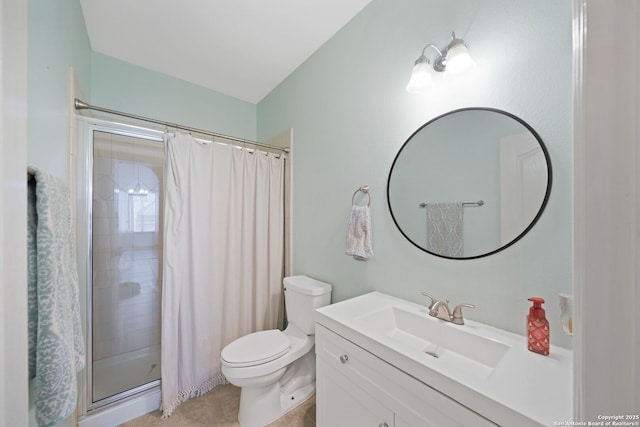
[81,105]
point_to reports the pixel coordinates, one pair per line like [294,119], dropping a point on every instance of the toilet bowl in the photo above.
[276,370]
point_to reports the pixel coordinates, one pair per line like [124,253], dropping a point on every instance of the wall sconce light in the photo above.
[454,59]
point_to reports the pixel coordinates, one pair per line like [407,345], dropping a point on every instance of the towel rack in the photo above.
[478,203]
[364,189]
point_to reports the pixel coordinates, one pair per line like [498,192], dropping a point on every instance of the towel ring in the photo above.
[364,189]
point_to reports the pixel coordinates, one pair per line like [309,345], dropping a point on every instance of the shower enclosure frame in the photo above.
[149,394]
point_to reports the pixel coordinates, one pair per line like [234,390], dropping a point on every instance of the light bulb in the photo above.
[458,59]
[420,76]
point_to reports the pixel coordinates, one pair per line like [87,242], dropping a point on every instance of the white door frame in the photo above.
[606,208]
[14,394]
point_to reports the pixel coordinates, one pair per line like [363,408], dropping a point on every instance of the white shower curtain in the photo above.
[223,256]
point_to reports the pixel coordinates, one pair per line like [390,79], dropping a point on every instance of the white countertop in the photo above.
[524,388]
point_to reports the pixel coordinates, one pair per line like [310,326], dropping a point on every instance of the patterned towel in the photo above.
[56,344]
[444,229]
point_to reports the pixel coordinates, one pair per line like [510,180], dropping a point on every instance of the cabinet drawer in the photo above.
[412,402]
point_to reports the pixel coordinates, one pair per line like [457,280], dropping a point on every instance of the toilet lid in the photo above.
[256,348]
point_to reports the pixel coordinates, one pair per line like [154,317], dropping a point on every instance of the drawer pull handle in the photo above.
[344,358]
[383,425]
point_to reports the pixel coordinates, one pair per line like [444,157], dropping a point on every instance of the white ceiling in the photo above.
[242,48]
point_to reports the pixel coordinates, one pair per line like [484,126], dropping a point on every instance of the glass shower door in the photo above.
[126,251]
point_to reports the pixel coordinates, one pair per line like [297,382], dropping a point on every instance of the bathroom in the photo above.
[350,115]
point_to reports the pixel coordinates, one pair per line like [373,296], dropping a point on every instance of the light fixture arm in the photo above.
[434,47]
[423,58]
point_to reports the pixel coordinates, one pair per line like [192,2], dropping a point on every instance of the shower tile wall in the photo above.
[127,257]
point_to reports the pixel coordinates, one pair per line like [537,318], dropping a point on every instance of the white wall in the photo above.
[13,245]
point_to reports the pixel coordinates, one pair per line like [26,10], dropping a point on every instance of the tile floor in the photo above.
[219,408]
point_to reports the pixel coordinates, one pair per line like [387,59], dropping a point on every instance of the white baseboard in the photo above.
[119,413]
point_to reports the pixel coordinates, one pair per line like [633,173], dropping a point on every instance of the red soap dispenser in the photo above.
[537,328]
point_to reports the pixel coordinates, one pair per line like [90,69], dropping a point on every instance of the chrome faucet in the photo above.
[456,317]
[440,309]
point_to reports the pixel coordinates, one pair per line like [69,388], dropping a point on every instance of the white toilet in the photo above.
[277,369]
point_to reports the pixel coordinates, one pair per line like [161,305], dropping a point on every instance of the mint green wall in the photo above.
[57,39]
[350,115]
[122,86]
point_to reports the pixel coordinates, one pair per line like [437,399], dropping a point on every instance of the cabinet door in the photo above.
[343,404]
[356,388]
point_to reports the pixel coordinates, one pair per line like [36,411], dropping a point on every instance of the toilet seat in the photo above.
[256,348]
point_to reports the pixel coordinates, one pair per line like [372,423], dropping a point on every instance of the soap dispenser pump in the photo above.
[537,328]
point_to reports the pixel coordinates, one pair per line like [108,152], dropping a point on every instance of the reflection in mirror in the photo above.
[469,183]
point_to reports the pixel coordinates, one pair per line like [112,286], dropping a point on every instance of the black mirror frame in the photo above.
[535,219]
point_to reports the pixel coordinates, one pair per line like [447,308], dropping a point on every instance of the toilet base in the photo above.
[260,406]
[260,411]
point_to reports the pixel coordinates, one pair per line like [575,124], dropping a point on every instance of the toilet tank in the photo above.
[302,296]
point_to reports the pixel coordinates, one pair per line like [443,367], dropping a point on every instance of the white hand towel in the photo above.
[359,234]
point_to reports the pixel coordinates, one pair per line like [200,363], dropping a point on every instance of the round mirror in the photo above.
[469,183]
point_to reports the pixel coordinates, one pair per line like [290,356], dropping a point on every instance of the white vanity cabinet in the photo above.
[355,388]
[383,360]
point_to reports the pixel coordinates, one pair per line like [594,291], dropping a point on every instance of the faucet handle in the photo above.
[456,317]
[433,300]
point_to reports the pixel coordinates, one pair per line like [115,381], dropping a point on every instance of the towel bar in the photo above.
[478,203]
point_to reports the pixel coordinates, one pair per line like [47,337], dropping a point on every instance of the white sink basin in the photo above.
[451,344]
[489,370]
